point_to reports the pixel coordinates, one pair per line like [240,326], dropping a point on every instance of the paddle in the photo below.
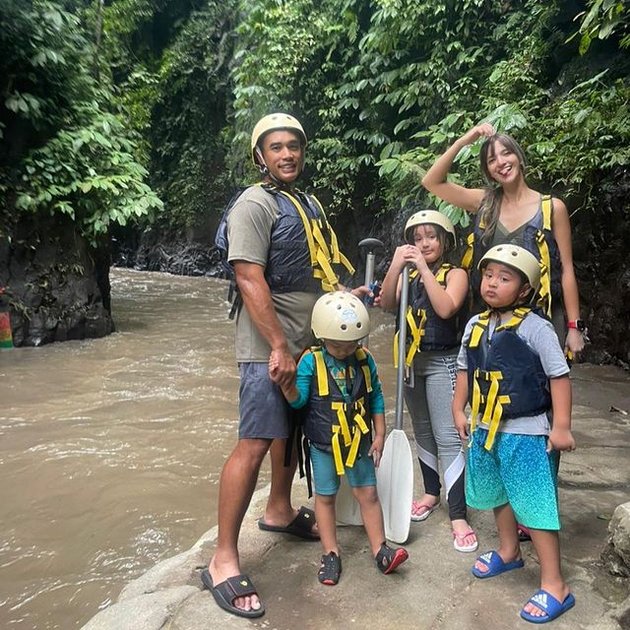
[347,508]
[395,474]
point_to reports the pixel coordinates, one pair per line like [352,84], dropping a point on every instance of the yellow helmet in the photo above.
[275,122]
[428,216]
[516,257]
[340,316]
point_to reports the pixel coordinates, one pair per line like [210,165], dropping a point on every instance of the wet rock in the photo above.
[616,555]
[56,284]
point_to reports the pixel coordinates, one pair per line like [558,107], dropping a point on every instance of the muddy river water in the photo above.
[111,449]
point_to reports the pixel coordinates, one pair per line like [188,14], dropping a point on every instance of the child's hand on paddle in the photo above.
[376,450]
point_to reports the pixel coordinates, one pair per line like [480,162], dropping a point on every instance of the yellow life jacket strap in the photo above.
[351,437]
[322,372]
[361,356]
[545,260]
[467,258]
[493,404]
[416,331]
[319,251]
[337,256]
[518,314]
[479,327]
[336,448]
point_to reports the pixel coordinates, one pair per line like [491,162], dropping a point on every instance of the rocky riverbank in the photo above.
[435,588]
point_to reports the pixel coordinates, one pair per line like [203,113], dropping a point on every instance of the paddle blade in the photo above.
[394,482]
[348,510]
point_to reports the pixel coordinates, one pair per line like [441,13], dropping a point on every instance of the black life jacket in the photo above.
[332,423]
[303,247]
[506,378]
[538,239]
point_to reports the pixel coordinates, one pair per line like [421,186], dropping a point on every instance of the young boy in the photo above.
[513,373]
[339,384]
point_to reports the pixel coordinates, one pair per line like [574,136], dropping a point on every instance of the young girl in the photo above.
[437,294]
[512,372]
[339,382]
[509,211]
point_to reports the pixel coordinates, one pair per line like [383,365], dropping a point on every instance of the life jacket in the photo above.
[505,376]
[538,239]
[330,421]
[303,247]
[426,330]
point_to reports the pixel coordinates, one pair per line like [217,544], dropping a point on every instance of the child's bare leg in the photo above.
[547,545]
[372,515]
[509,546]
[326,522]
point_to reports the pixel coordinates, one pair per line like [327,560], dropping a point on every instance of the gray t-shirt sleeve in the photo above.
[462,356]
[541,337]
[249,226]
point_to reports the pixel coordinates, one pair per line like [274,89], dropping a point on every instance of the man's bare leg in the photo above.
[279,510]
[236,487]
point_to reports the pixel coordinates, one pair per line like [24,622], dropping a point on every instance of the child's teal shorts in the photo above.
[519,471]
[325,477]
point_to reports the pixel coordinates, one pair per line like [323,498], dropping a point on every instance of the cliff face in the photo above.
[601,244]
[56,287]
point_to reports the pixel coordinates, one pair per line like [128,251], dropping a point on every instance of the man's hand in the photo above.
[282,367]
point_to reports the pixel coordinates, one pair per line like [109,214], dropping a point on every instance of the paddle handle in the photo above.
[402,342]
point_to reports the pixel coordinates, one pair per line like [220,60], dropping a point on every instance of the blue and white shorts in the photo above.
[519,471]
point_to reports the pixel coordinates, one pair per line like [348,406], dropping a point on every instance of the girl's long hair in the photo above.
[491,202]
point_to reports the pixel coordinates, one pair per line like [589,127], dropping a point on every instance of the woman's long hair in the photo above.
[491,202]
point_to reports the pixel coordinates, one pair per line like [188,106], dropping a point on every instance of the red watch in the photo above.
[578,324]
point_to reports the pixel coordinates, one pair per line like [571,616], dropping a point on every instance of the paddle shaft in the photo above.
[402,339]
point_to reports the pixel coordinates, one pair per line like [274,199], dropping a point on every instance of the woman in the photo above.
[509,211]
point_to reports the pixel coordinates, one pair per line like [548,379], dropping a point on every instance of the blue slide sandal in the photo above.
[495,565]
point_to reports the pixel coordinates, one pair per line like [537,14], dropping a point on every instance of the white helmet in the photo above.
[340,316]
[275,122]
[432,217]
[516,257]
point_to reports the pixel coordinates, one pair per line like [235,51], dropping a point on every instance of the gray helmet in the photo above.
[340,316]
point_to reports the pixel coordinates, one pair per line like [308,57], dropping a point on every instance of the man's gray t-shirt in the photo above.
[539,334]
[249,226]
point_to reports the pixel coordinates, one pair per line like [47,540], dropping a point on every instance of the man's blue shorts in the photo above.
[325,477]
[519,471]
[263,410]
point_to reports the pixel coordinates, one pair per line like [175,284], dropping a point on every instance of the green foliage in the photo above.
[603,19]
[65,150]
[88,173]
[381,86]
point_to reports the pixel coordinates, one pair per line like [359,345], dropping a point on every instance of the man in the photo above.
[282,250]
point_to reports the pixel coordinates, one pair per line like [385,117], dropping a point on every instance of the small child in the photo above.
[513,373]
[338,382]
[437,296]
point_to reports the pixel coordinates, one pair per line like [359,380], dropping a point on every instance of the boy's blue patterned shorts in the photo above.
[519,471]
